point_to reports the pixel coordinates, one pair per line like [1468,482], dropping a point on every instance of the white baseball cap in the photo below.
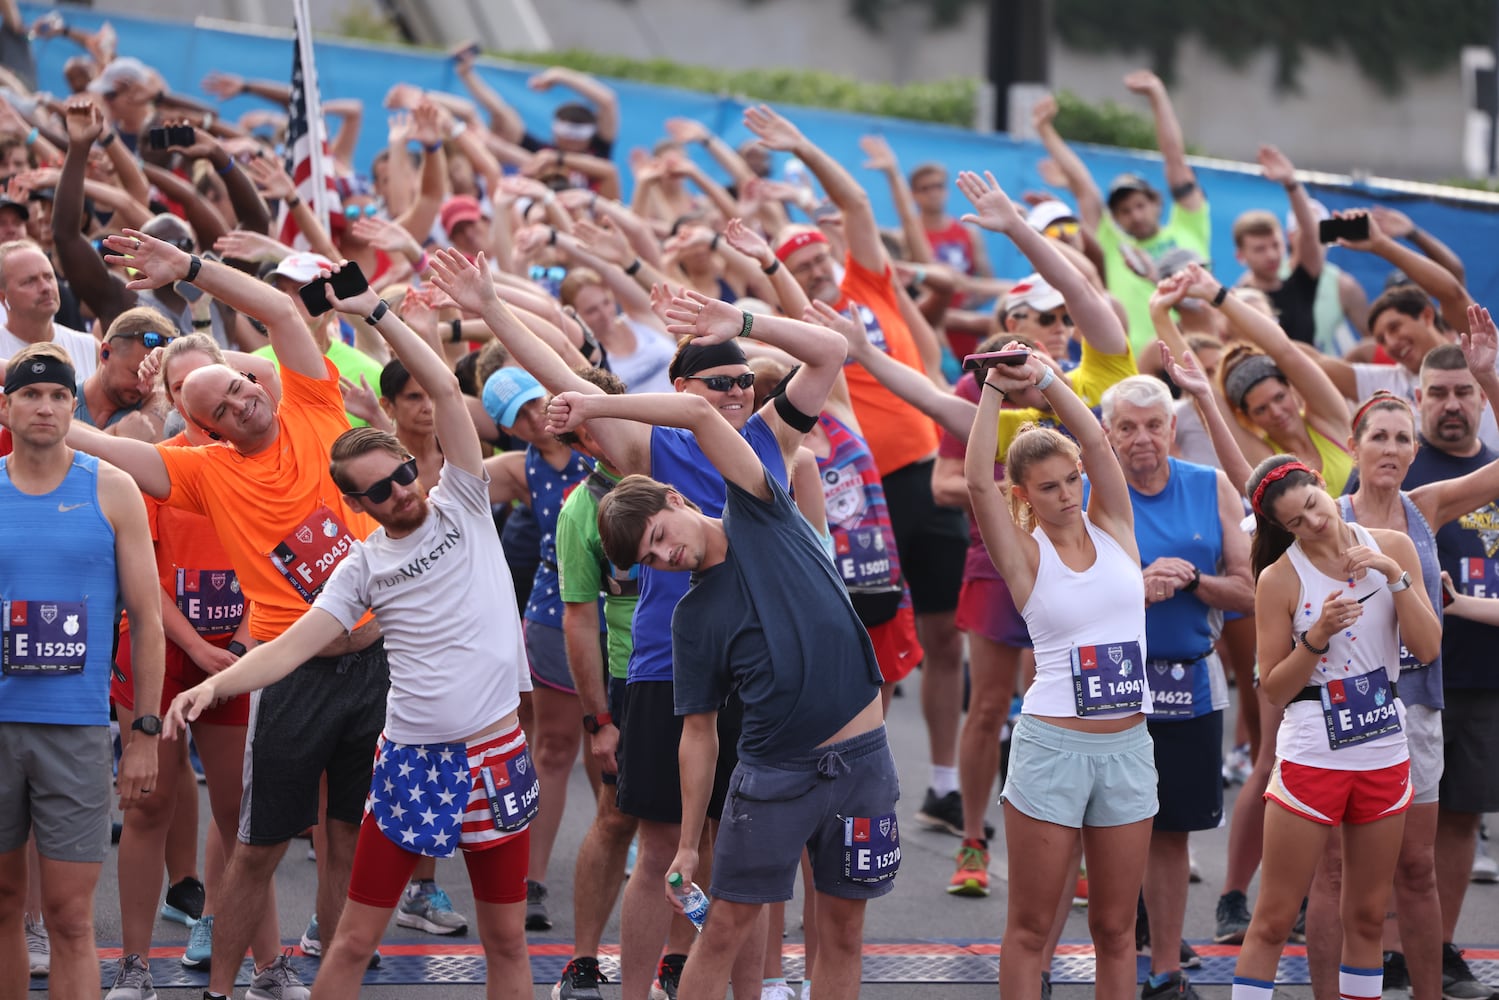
[1033,291]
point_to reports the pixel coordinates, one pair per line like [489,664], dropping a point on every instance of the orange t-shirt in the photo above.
[282,521]
[897,432]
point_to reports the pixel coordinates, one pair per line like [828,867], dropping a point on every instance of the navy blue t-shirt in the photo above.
[774,621]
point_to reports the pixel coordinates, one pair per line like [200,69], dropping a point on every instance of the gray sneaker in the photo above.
[38,948]
[132,982]
[278,981]
[429,909]
[1458,981]
[1233,918]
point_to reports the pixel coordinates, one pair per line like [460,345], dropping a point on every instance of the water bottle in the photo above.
[694,900]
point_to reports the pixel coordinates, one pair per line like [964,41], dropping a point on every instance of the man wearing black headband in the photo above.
[712,366]
[73,539]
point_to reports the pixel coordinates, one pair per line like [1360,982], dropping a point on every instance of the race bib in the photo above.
[1359,709]
[418,794]
[307,556]
[871,848]
[1179,690]
[1108,678]
[513,791]
[1478,577]
[863,560]
[44,638]
[1409,662]
[210,600]
[843,495]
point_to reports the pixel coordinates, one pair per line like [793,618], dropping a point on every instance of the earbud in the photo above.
[104,353]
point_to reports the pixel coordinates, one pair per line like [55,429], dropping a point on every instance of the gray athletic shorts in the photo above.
[774,810]
[56,781]
[1423,734]
[325,716]
[1078,779]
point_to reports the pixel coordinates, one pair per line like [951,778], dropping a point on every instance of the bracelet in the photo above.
[292,202]
[378,314]
[1301,638]
[635,267]
[32,136]
[226,169]
[456,326]
[1218,299]
[713,244]
[108,140]
[775,265]
[1046,380]
[990,385]
[194,265]
[422,265]
[748,325]
[432,147]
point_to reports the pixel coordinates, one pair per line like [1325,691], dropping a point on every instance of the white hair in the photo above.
[1144,391]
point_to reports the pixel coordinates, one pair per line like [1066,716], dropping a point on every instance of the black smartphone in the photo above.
[315,296]
[347,283]
[156,138]
[1332,230]
[180,135]
[978,362]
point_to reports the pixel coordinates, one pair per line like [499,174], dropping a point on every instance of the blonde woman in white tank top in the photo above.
[1332,602]
[1081,727]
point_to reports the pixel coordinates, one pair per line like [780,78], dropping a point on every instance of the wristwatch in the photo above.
[593,723]
[1404,583]
[148,724]
[236,647]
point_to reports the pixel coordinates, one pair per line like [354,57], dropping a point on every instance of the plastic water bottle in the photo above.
[694,900]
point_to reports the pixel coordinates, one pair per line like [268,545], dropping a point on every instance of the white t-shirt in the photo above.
[81,347]
[644,369]
[446,606]
[1398,379]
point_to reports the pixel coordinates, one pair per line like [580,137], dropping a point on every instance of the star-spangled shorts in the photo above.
[432,798]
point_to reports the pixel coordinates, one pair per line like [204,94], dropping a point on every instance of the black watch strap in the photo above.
[378,314]
[148,724]
[236,647]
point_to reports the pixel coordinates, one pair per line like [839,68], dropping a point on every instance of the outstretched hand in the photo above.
[1480,344]
[772,129]
[708,321]
[158,262]
[466,282]
[850,327]
[1187,373]
[995,210]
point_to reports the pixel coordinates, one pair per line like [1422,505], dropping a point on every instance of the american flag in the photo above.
[305,132]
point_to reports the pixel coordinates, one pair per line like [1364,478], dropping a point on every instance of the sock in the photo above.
[778,981]
[1358,984]
[210,995]
[944,780]
[1252,989]
[419,887]
[806,989]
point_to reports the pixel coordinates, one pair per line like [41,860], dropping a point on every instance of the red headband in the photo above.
[1275,475]
[795,243]
[1380,396]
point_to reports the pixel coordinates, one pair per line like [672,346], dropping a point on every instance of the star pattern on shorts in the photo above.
[418,794]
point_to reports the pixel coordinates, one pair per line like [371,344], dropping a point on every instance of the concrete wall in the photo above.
[1339,122]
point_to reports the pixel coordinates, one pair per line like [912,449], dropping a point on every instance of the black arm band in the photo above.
[457,331]
[1180,191]
[194,265]
[795,419]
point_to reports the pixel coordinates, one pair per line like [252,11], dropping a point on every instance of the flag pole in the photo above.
[317,129]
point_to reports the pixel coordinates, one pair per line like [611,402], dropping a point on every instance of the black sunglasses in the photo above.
[723,383]
[1045,319]
[379,491]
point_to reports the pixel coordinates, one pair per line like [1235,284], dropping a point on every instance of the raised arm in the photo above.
[455,429]
[1445,500]
[159,262]
[141,461]
[882,159]
[1397,225]
[729,452]
[79,262]
[1277,167]
[859,226]
[504,120]
[1433,279]
[1168,134]
[1079,180]
[1089,308]
[1226,442]
[603,98]
[1013,552]
[688,130]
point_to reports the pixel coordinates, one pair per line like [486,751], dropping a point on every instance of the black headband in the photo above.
[699,357]
[39,369]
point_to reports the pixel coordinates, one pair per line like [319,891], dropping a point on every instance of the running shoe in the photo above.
[1298,930]
[278,981]
[1046,986]
[1176,987]
[777,991]
[312,945]
[537,917]
[1237,766]
[945,812]
[668,974]
[38,947]
[184,902]
[1189,957]
[1485,869]
[1458,981]
[428,908]
[972,876]
[132,982]
[199,949]
[1080,890]
[1397,978]
[580,980]
[1233,918]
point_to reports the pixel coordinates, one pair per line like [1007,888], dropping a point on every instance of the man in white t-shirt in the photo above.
[28,290]
[453,769]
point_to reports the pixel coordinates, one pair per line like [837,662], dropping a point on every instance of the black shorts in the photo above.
[932,541]
[1470,740]
[650,782]
[614,689]
[1189,772]
[325,716]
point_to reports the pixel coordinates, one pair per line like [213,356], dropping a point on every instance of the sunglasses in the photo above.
[723,383]
[379,491]
[353,212]
[1047,319]
[150,338]
[1061,229]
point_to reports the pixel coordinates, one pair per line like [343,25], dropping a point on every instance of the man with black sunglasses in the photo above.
[452,749]
[114,398]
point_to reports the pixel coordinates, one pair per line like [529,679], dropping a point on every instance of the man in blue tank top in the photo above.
[713,368]
[1196,562]
[74,542]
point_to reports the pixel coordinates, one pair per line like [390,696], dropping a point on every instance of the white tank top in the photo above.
[1070,613]
[1352,663]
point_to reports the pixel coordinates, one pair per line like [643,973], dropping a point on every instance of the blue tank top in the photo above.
[1420,683]
[549,488]
[57,578]
[677,461]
